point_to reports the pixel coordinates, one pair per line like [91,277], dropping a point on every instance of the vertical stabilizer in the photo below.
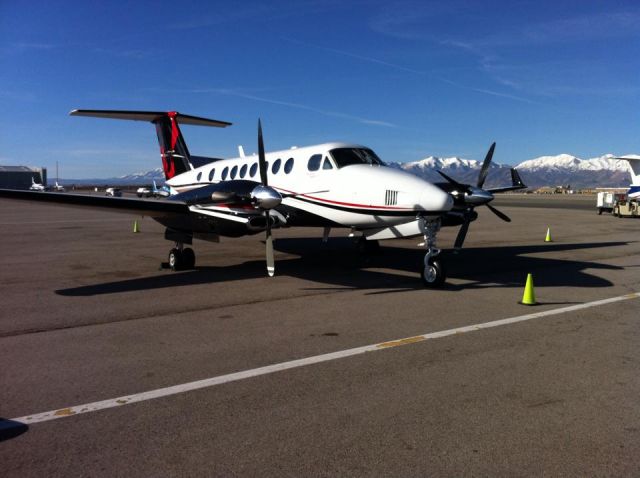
[634,169]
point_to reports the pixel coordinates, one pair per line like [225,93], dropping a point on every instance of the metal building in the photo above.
[19,177]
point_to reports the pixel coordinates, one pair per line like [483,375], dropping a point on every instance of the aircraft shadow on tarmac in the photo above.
[11,429]
[337,265]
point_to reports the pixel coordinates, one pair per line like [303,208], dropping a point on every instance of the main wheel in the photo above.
[188,258]
[175,259]
[433,275]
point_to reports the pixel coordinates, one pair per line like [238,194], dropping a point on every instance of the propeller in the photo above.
[266,198]
[468,196]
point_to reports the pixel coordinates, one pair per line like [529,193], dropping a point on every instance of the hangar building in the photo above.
[19,177]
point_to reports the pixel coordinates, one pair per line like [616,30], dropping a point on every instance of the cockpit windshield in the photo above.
[347,156]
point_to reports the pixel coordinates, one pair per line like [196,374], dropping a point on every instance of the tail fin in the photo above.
[515,179]
[634,169]
[516,183]
[173,149]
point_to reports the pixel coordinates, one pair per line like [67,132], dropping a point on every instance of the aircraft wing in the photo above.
[151,208]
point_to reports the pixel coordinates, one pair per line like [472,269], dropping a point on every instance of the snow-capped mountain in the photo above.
[604,171]
[562,169]
[144,177]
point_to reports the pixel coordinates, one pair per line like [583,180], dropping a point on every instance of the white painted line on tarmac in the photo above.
[234,377]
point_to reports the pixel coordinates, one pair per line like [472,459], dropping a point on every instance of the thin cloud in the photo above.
[414,71]
[335,114]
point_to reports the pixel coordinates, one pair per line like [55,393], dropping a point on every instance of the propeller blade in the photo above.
[485,165]
[261,159]
[463,187]
[271,269]
[462,233]
[262,163]
[501,215]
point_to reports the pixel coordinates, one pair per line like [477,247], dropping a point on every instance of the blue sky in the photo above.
[409,79]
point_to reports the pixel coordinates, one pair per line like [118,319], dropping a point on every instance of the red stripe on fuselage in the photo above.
[340,203]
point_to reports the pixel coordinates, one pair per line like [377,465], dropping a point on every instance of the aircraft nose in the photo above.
[435,199]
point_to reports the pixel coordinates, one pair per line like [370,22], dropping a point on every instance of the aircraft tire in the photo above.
[175,259]
[434,275]
[188,258]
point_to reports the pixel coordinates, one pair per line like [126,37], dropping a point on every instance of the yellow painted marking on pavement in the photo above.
[395,343]
[65,412]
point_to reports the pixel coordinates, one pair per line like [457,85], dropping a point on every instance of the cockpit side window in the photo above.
[348,156]
[326,164]
[314,162]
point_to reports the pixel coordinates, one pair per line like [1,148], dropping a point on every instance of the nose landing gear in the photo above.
[432,269]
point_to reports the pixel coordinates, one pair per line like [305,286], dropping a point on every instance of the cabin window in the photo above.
[243,171]
[253,170]
[225,173]
[288,166]
[234,171]
[199,176]
[327,164]
[276,166]
[212,174]
[314,162]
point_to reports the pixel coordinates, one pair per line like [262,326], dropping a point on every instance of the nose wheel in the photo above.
[433,273]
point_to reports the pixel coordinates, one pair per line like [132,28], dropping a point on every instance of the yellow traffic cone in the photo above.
[135,227]
[529,296]
[548,238]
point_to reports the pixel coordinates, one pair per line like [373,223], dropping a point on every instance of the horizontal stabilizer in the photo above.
[150,116]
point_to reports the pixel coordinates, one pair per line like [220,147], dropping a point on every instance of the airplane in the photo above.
[161,192]
[154,191]
[634,169]
[35,186]
[330,185]
[57,187]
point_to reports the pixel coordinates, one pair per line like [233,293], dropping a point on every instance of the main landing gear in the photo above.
[432,269]
[181,258]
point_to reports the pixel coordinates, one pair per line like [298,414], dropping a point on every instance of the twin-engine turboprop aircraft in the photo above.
[328,185]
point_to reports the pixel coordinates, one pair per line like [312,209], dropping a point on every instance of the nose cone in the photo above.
[434,199]
[478,197]
[265,197]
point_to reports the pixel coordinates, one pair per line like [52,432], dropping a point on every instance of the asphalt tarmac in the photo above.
[87,315]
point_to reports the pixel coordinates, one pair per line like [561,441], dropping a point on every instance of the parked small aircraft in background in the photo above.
[36,186]
[330,185]
[57,187]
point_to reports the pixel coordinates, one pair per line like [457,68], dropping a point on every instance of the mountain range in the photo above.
[563,169]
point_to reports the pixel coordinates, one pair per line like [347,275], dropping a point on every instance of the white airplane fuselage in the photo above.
[360,196]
